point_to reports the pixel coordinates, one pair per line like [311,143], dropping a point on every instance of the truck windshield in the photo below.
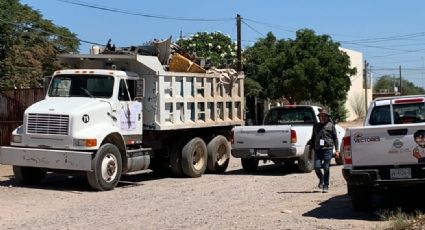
[68,85]
[288,115]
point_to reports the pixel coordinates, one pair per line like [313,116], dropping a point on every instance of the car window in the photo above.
[380,115]
[290,115]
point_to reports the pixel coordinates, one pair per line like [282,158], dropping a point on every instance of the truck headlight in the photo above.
[85,142]
[16,138]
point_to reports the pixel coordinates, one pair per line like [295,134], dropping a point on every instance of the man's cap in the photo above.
[324,111]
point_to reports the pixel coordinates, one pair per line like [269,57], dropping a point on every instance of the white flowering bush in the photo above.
[215,47]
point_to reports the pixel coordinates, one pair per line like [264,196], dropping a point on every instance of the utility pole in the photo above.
[399,69]
[365,83]
[181,34]
[239,51]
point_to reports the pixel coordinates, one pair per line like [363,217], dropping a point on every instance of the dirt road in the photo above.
[273,198]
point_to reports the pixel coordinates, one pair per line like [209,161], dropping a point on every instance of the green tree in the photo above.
[28,45]
[308,68]
[215,47]
[388,83]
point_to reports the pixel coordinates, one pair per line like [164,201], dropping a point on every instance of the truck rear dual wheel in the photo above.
[28,175]
[176,160]
[194,158]
[249,165]
[218,154]
[106,168]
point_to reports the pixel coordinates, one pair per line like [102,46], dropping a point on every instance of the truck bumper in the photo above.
[360,176]
[264,153]
[46,158]
[372,177]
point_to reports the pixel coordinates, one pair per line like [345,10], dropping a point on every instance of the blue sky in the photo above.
[389,33]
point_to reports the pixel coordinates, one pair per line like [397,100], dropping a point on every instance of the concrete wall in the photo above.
[356,94]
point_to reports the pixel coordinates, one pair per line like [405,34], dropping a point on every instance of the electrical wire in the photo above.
[252,28]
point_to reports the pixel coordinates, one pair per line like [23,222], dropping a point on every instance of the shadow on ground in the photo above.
[339,207]
[78,182]
[270,170]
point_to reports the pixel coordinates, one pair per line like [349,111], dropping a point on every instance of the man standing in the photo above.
[323,139]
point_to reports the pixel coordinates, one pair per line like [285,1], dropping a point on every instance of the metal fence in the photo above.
[12,106]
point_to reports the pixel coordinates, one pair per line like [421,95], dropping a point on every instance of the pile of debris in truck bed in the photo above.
[172,57]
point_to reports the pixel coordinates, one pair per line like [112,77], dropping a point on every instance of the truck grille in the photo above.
[48,124]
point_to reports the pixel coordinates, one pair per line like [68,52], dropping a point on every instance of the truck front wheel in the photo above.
[194,158]
[249,164]
[106,168]
[218,154]
[28,175]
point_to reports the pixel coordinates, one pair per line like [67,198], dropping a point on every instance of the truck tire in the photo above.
[194,158]
[361,197]
[28,175]
[176,160]
[107,168]
[305,162]
[218,154]
[249,165]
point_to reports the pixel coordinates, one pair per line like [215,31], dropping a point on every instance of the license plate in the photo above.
[401,173]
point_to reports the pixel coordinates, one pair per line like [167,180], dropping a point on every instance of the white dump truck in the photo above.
[117,113]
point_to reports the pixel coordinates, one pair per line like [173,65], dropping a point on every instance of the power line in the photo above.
[122,11]
[273,26]
[252,28]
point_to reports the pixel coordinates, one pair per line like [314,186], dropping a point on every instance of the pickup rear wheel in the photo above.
[28,175]
[249,164]
[218,154]
[194,158]
[306,161]
[361,197]
[106,168]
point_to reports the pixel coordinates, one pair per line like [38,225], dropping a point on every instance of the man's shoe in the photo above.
[325,190]
[321,186]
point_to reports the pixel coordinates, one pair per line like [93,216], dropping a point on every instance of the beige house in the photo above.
[355,103]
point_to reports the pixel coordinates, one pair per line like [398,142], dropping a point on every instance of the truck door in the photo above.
[130,111]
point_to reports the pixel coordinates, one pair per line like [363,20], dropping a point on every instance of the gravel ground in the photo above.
[276,197]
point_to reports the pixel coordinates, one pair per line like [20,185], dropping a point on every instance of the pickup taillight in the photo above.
[293,136]
[347,150]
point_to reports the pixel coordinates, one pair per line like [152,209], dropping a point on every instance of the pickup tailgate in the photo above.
[262,137]
[385,145]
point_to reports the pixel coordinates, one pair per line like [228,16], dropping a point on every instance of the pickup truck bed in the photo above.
[284,137]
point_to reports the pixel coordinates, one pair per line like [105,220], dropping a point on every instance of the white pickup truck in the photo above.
[284,138]
[388,152]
